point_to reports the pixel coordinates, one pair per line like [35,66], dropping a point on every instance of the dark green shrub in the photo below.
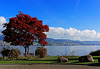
[41,52]
[14,53]
[1,58]
[95,53]
[5,52]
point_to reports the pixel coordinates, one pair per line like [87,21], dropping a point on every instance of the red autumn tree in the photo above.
[23,30]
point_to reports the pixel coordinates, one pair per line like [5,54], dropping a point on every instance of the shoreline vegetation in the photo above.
[74,60]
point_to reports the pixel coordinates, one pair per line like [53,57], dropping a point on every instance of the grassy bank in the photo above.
[50,60]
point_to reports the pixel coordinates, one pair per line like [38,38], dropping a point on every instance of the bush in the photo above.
[95,53]
[1,58]
[14,53]
[41,52]
[5,52]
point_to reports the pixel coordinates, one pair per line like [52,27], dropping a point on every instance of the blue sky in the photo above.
[79,15]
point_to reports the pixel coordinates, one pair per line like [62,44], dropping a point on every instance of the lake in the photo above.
[62,50]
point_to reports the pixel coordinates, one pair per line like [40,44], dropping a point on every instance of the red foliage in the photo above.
[24,29]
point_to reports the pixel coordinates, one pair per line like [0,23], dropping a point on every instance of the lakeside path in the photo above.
[48,66]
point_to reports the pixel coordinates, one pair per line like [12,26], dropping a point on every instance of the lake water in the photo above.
[62,50]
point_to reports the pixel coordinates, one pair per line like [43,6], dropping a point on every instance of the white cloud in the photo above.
[2,21]
[61,33]
[73,34]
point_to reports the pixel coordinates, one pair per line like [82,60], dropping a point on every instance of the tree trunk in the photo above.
[26,51]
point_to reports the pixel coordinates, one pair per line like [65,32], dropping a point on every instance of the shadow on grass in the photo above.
[96,58]
[42,60]
[94,64]
[73,59]
[37,60]
[75,62]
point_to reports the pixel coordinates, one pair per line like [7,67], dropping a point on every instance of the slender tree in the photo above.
[23,30]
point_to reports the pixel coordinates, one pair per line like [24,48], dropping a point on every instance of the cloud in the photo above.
[2,21]
[73,34]
[61,33]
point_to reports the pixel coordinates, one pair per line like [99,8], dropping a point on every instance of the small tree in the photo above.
[14,53]
[41,52]
[23,30]
[5,52]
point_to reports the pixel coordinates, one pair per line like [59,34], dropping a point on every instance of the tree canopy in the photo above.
[24,29]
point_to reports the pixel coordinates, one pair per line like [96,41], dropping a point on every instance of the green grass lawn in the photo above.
[50,60]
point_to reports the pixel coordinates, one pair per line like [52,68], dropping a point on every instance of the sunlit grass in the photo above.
[50,60]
